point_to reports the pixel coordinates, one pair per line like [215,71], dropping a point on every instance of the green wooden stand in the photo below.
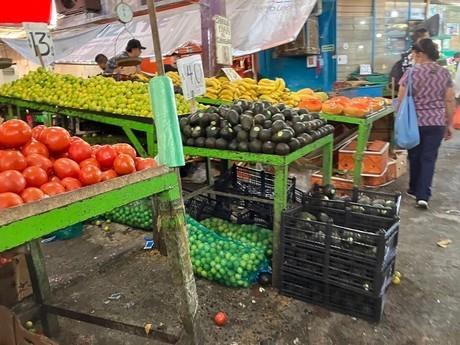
[281,165]
[364,131]
[125,122]
[26,224]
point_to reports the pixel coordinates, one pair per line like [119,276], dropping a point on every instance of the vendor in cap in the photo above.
[133,50]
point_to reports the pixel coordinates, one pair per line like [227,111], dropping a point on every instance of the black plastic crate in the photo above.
[390,202]
[332,296]
[367,246]
[251,182]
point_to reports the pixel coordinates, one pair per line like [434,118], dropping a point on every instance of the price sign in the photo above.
[39,39]
[192,76]
[231,74]
[223,34]
[365,69]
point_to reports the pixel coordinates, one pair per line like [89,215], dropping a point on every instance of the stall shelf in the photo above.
[26,224]
[364,129]
[125,122]
[281,165]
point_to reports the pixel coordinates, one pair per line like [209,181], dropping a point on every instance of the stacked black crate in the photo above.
[339,253]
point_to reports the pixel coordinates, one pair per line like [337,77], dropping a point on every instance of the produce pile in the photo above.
[99,93]
[253,126]
[45,161]
[137,214]
[249,234]
[222,259]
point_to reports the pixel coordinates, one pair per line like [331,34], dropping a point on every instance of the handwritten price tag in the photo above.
[192,76]
[40,41]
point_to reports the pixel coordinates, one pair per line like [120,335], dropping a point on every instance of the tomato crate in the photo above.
[331,296]
[251,182]
[374,247]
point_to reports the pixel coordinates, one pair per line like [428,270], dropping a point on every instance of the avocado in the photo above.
[281,106]
[314,135]
[197,132]
[278,116]
[302,141]
[305,216]
[184,121]
[194,119]
[224,123]
[200,141]
[296,118]
[237,108]
[323,217]
[282,136]
[294,144]
[258,107]
[246,122]
[266,104]
[255,146]
[212,132]
[309,125]
[287,114]
[259,119]
[221,143]
[205,119]
[315,115]
[227,133]
[302,111]
[290,130]
[233,145]
[329,191]
[237,128]
[190,142]
[242,135]
[268,114]
[268,147]
[233,117]
[211,109]
[267,124]
[254,133]
[299,128]
[278,125]
[308,117]
[282,149]
[187,130]
[249,112]
[243,146]
[214,119]
[308,139]
[265,135]
[183,137]
[210,142]
[273,110]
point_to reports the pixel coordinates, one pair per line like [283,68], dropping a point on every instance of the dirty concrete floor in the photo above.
[423,310]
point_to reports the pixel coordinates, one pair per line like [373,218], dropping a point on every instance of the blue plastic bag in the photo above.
[407,134]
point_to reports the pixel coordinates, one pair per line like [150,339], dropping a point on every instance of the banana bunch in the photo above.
[229,91]
[213,87]
[272,90]
[247,88]
[140,77]
[290,98]
[174,76]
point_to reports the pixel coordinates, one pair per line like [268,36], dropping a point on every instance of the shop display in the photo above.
[354,107]
[257,127]
[45,161]
[137,214]
[99,94]
[222,259]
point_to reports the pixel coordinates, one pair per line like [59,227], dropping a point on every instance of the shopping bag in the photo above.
[457,118]
[407,134]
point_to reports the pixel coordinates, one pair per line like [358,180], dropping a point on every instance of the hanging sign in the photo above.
[231,74]
[40,41]
[365,69]
[223,34]
[192,76]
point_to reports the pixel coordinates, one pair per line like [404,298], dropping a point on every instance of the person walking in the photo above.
[434,99]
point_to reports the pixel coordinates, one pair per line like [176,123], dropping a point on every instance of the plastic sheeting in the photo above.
[256,25]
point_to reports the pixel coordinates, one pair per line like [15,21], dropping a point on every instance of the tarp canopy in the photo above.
[256,26]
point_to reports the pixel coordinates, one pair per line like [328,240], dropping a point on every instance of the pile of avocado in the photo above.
[258,127]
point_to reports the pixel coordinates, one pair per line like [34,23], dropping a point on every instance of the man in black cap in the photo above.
[133,50]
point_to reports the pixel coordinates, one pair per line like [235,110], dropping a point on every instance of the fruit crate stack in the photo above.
[339,250]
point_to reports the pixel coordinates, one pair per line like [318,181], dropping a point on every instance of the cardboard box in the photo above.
[375,160]
[15,283]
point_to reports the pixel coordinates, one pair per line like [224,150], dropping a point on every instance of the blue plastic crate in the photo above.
[363,91]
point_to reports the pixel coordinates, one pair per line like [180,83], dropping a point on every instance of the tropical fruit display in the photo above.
[355,107]
[258,127]
[99,94]
[44,161]
[224,260]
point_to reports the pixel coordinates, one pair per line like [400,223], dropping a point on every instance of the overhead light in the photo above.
[379,35]
[394,14]
[360,46]
[362,22]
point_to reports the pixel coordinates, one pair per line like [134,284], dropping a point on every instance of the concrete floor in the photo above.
[423,310]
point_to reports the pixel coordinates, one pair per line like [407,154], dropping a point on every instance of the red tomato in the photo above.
[37,131]
[35,176]
[79,150]
[125,148]
[35,147]
[220,319]
[90,174]
[12,181]
[9,200]
[41,161]
[52,188]
[124,164]
[32,194]
[14,133]
[55,179]
[145,163]
[70,183]
[75,139]
[57,139]
[108,174]
[89,161]
[65,167]
[105,156]
[12,160]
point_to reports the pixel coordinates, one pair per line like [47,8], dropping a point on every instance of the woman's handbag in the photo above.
[407,134]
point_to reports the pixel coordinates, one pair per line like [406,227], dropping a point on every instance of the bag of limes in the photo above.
[250,234]
[137,214]
[223,260]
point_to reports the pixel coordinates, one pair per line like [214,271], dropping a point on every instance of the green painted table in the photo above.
[364,130]
[281,165]
[127,123]
[26,224]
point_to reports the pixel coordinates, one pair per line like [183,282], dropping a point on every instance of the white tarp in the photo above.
[256,25]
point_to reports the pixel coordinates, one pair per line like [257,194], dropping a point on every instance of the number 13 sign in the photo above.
[192,76]
[39,36]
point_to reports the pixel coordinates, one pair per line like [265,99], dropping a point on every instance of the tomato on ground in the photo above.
[65,167]
[14,133]
[220,319]
[124,164]
[9,199]
[52,188]
[12,181]
[12,160]
[35,176]
[90,174]
[32,194]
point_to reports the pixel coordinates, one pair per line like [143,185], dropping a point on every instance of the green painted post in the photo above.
[137,145]
[363,136]
[151,144]
[10,114]
[328,150]
[280,202]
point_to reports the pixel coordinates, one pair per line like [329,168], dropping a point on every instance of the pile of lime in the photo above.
[137,214]
[221,259]
[249,234]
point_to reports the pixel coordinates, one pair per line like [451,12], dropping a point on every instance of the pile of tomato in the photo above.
[44,161]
